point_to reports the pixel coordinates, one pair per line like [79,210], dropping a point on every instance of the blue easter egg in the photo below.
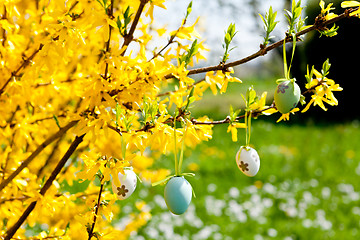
[178,194]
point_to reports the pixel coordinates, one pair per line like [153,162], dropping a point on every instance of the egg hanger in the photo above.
[248,127]
[286,68]
[250,98]
[178,162]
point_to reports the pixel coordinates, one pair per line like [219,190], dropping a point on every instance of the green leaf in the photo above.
[229,35]
[302,100]
[325,68]
[117,114]
[100,3]
[243,97]
[250,96]
[189,9]
[330,32]
[118,23]
[309,75]
[233,114]
[56,120]
[269,24]
[190,53]
[67,228]
[190,98]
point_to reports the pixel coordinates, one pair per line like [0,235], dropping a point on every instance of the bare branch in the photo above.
[11,232]
[46,143]
[23,65]
[263,51]
[97,206]
[130,36]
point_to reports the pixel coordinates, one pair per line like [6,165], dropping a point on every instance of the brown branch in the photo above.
[22,198]
[263,51]
[26,162]
[171,40]
[23,65]
[35,238]
[69,80]
[254,114]
[4,31]
[107,44]
[11,232]
[73,6]
[97,206]
[130,36]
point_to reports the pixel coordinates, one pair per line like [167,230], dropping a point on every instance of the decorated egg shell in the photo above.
[127,184]
[248,161]
[287,96]
[178,194]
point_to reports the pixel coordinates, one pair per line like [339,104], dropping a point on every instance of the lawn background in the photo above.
[307,186]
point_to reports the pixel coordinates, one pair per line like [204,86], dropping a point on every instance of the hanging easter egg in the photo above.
[127,184]
[248,161]
[178,194]
[287,96]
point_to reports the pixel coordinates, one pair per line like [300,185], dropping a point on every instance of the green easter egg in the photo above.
[178,194]
[287,96]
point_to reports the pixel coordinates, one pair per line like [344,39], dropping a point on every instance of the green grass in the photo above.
[218,106]
[307,187]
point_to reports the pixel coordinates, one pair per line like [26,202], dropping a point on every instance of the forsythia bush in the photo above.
[85,96]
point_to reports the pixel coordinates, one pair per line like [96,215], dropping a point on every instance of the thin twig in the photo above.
[107,44]
[97,206]
[73,6]
[23,65]
[265,50]
[4,31]
[11,232]
[171,40]
[254,114]
[22,198]
[130,36]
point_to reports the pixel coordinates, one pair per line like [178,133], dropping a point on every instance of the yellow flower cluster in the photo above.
[325,11]
[79,63]
[89,71]
[347,4]
[322,88]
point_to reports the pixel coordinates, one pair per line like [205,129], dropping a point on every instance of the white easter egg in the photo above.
[248,161]
[127,184]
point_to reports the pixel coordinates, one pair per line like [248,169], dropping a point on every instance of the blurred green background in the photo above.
[308,183]
[307,186]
